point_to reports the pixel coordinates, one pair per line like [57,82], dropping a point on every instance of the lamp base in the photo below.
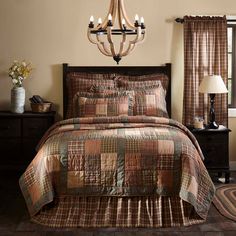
[212,125]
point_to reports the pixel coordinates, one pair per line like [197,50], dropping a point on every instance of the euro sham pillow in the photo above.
[81,82]
[136,82]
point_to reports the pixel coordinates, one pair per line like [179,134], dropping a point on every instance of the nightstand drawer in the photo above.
[215,156]
[216,139]
[35,127]
[10,127]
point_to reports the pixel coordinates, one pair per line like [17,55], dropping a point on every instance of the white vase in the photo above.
[17,100]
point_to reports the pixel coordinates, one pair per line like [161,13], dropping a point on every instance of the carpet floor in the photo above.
[14,218]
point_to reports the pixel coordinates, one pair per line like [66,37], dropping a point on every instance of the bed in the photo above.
[117,159]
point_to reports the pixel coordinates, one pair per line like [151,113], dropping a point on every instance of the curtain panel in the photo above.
[205,53]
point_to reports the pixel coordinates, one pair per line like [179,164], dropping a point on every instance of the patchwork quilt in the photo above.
[118,156]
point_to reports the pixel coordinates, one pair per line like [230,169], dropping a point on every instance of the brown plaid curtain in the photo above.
[205,53]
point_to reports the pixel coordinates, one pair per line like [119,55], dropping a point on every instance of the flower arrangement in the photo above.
[19,71]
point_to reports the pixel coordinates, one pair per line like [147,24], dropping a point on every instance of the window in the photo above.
[232,65]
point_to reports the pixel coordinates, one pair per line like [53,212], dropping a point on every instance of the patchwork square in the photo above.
[132,161]
[92,163]
[92,178]
[133,178]
[75,162]
[109,145]
[132,145]
[108,161]
[75,179]
[109,178]
[92,147]
[76,147]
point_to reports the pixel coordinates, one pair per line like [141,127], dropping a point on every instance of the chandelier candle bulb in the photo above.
[91,19]
[136,23]
[109,20]
[91,25]
[99,21]
[142,23]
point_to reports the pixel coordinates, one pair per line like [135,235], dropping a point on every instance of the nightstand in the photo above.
[215,147]
[19,135]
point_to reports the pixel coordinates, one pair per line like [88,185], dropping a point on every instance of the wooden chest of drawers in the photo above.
[19,135]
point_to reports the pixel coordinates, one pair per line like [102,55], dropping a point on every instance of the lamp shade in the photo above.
[212,84]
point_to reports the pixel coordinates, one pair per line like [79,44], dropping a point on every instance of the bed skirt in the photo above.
[154,211]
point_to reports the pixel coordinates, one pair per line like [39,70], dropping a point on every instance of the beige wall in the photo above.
[50,32]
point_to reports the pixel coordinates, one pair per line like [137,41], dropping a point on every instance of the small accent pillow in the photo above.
[150,102]
[106,106]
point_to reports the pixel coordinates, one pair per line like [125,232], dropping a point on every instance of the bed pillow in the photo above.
[150,102]
[77,82]
[135,82]
[106,106]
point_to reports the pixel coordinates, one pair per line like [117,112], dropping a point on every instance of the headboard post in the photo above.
[125,70]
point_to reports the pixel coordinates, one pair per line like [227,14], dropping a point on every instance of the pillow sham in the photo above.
[111,106]
[142,81]
[150,102]
[109,93]
[77,82]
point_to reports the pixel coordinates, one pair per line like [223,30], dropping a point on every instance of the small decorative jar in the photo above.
[17,100]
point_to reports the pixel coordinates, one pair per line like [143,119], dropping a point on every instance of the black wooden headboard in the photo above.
[125,70]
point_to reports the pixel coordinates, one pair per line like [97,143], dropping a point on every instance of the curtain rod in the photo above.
[181,20]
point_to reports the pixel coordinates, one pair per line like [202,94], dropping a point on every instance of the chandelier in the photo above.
[103,35]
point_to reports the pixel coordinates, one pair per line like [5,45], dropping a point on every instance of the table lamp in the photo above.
[212,84]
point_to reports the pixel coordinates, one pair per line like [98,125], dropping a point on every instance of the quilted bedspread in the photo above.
[118,156]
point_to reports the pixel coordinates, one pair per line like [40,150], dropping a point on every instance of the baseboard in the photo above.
[232,165]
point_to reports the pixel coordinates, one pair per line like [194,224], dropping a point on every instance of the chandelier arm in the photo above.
[115,9]
[103,46]
[90,36]
[138,37]
[119,17]
[105,21]
[125,16]
[109,38]
[133,42]
[129,49]
[122,43]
